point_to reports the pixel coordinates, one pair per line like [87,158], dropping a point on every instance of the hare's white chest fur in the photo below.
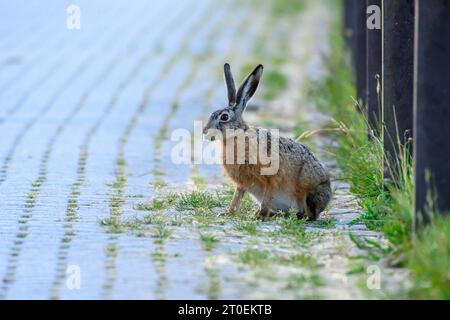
[282,200]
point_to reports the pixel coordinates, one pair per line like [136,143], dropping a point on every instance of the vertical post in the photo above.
[398,76]
[350,26]
[360,50]
[432,107]
[355,34]
[373,62]
[348,22]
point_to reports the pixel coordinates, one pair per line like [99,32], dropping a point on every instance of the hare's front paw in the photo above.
[228,212]
[301,213]
[263,214]
[306,215]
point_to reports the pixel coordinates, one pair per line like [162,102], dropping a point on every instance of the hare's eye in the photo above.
[224,117]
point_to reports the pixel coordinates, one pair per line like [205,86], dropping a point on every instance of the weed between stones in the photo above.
[327,223]
[292,271]
[208,241]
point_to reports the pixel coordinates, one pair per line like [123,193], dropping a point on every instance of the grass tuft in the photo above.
[209,241]
[429,262]
[199,200]
[294,228]
[248,226]
[254,257]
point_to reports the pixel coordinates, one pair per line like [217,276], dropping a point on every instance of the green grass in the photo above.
[429,262]
[199,200]
[199,181]
[116,224]
[356,268]
[161,231]
[159,256]
[299,281]
[299,260]
[159,184]
[120,182]
[112,224]
[183,208]
[287,8]
[294,229]
[155,205]
[209,241]
[153,218]
[248,226]
[275,82]
[326,223]
[283,268]
[158,203]
[262,258]
[254,257]
[121,162]
[111,250]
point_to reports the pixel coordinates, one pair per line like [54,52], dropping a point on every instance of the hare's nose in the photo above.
[205,130]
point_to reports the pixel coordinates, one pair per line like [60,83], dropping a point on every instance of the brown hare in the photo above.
[301,182]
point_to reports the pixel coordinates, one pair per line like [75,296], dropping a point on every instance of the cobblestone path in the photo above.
[85,123]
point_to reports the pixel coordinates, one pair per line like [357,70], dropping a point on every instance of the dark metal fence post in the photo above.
[360,50]
[432,107]
[355,34]
[374,69]
[398,67]
[348,21]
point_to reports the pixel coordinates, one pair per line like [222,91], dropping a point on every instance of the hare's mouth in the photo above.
[209,136]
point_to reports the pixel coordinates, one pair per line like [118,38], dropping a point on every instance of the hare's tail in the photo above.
[318,200]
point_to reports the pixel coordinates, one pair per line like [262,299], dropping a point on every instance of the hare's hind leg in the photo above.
[266,204]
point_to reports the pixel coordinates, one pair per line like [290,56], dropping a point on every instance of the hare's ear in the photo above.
[229,82]
[248,88]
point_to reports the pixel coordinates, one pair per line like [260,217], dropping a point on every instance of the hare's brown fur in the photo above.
[301,182]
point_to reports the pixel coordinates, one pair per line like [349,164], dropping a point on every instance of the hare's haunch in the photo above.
[300,181]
